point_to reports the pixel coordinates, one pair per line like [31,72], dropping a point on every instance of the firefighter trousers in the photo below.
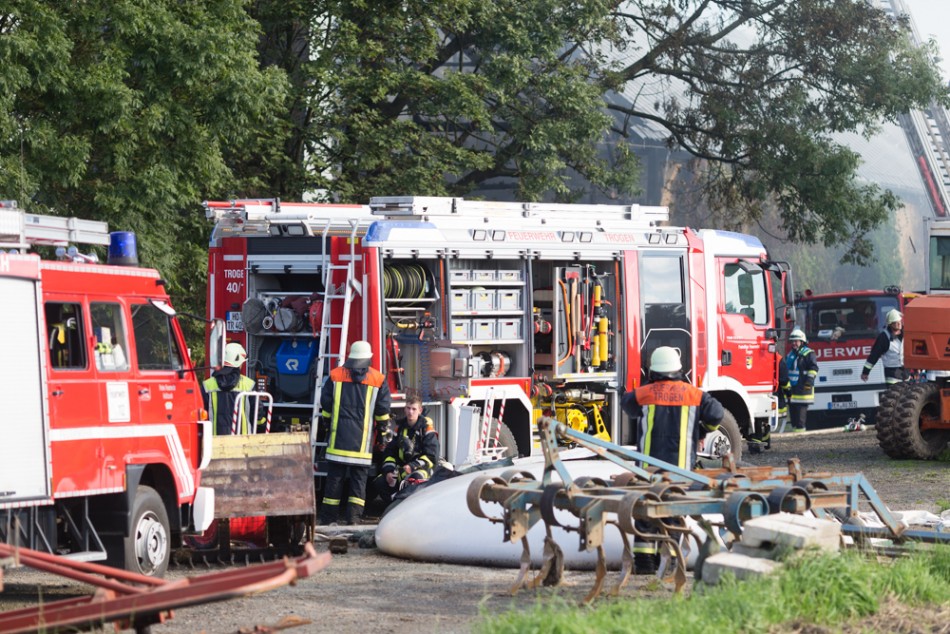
[338,474]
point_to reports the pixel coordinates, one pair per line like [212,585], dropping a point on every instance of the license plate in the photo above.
[843,405]
[235,322]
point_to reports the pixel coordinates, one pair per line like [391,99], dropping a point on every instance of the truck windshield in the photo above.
[844,317]
[940,263]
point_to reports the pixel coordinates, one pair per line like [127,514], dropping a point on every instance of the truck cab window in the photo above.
[940,263]
[745,292]
[111,343]
[665,310]
[155,344]
[67,348]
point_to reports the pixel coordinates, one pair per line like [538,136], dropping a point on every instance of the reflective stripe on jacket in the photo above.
[416,446]
[350,401]
[802,372]
[668,412]
[221,404]
[890,350]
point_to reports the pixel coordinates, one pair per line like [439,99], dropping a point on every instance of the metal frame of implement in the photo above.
[135,601]
[663,495]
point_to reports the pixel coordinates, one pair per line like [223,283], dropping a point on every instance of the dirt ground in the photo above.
[363,590]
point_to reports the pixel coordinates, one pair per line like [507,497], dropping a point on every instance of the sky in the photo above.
[932,18]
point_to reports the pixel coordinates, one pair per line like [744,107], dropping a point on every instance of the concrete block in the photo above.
[741,567]
[789,530]
[755,551]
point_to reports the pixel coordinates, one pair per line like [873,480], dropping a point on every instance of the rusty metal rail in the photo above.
[134,601]
[651,499]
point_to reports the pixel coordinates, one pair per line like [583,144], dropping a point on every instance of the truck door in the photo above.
[75,409]
[25,472]
[162,395]
[665,311]
[744,316]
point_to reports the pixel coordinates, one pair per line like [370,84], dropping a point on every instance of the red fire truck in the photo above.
[841,328]
[497,312]
[108,435]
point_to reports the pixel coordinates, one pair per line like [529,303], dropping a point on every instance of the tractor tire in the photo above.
[886,424]
[921,401]
[727,439]
[148,548]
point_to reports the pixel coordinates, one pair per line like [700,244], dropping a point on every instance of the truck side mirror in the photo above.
[216,342]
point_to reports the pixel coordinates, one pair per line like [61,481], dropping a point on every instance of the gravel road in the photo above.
[363,590]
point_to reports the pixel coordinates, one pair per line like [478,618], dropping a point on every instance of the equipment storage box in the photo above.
[508,329]
[295,367]
[508,299]
[483,329]
[460,275]
[509,276]
[461,300]
[483,276]
[461,329]
[483,299]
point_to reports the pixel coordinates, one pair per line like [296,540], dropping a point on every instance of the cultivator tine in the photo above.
[626,564]
[601,572]
[552,565]
[524,568]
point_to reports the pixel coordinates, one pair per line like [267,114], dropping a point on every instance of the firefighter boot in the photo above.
[645,563]
[328,515]
[354,514]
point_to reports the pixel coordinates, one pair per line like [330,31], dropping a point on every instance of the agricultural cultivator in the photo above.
[654,501]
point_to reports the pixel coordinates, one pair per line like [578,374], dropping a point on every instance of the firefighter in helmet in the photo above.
[354,402]
[672,417]
[412,454]
[889,348]
[802,373]
[220,393]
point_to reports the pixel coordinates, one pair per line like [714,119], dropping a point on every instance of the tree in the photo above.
[132,113]
[474,95]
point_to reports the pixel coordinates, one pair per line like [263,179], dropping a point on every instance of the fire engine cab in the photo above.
[107,436]
[496,313]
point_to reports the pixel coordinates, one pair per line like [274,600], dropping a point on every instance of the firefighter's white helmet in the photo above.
[360,350]
[361,353]
[894,316]
[798,335]
[665,360]
[234,355]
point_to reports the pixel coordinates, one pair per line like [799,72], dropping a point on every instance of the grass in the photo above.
[821,589]
[942,505]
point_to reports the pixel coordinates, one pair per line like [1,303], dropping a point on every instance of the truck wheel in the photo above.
[885,421]
[727,439]
[505,438]
[919,403]
[147,548]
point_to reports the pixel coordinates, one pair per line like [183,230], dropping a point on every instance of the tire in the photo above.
[727,439]
[885,422]
[148,548]
[505,438]
[920,401]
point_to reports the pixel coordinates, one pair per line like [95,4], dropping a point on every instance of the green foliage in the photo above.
[538,98]
[820,589]
[442,98]
[128,112]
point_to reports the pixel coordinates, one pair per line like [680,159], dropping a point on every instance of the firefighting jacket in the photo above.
[220,395]
[889,348]
[802,371]
[416,445]
[784,387]
[350,401]
[672,416]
